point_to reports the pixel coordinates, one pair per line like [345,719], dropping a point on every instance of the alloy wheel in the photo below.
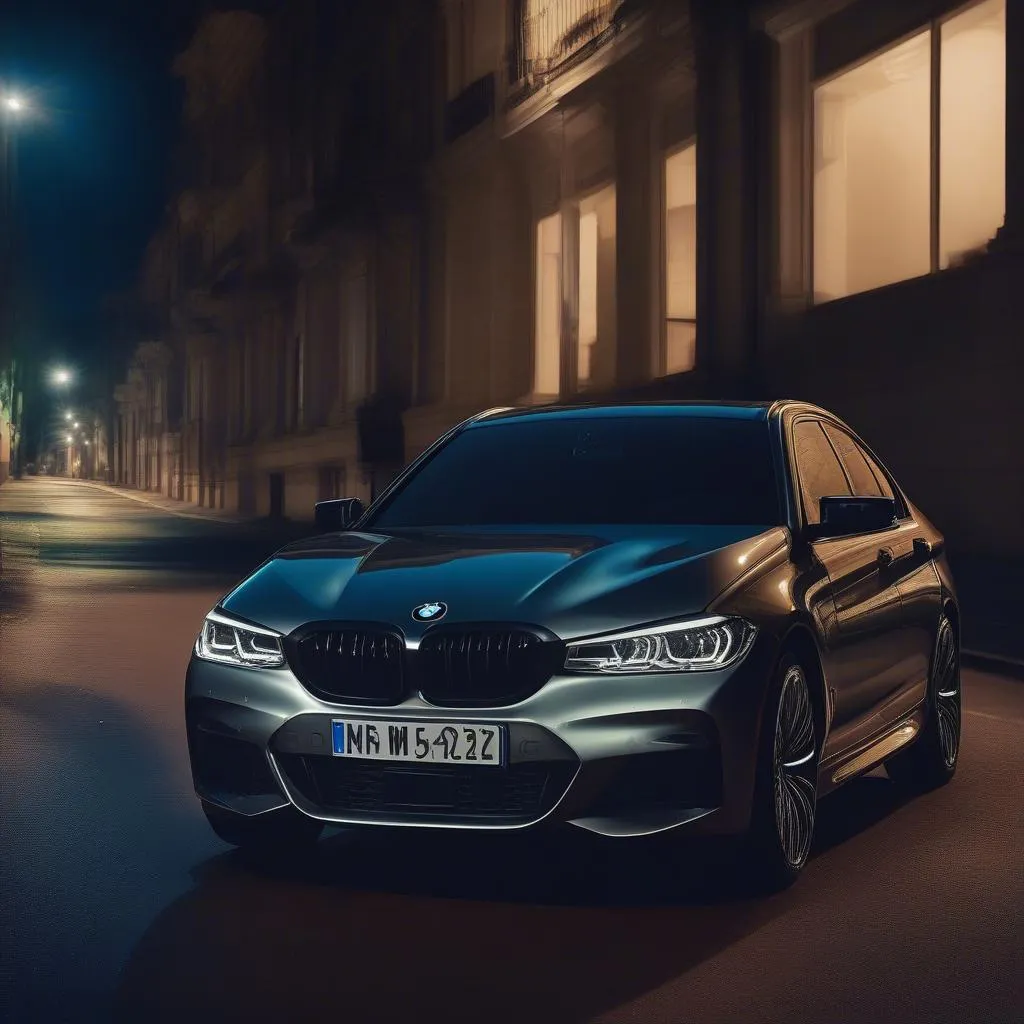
[947,694]
[795,768]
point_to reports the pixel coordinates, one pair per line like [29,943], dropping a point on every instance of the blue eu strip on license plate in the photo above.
[460,743]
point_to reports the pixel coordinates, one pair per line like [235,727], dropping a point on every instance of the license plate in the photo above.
[423,742]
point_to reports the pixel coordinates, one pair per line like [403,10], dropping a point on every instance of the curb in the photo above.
[126,493]
[996,663]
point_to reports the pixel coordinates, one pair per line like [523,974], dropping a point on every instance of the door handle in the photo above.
[885,557]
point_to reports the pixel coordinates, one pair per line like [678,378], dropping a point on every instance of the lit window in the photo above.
[874,156]
[681,260]
[591,282]
[596,336]
[547,340]
[972,129]
[872,172]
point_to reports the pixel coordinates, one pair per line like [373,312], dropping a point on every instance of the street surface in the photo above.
[118,903]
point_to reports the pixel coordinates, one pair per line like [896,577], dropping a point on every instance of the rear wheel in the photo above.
[786,791]
[931,760]
[283,830]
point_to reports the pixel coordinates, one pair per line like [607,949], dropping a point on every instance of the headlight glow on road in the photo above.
[236,643]
[699,645]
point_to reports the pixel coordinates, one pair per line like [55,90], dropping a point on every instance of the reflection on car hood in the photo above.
[573,583]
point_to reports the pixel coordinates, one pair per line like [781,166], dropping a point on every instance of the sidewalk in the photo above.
[161,501]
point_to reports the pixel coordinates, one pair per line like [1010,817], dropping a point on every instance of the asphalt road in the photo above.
[117,903]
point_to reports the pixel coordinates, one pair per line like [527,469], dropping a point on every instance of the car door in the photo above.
[862,654]
[911,570]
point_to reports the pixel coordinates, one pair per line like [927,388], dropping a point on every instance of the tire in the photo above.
[931,760]
[778,843]
[279,831]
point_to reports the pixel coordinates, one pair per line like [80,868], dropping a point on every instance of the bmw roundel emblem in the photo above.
[430,612]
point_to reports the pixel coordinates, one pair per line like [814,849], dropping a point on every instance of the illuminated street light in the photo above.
[61,377]
[70,439]
[75,425]
[14,103]
[68,415]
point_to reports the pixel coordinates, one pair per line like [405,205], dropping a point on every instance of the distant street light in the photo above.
[61,377]
[15,103]
[68,415]
[70,439]
[75,425]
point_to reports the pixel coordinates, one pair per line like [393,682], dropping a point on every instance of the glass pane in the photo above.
[549,306]
[865,485]
[972,129]
[681,234]
[596,353]
[821,475]
[872,140]
[563,469]
[680,346]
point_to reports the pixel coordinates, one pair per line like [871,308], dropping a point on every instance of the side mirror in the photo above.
[845,516]
[337,514]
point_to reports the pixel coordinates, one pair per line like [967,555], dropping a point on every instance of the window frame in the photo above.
[933,26]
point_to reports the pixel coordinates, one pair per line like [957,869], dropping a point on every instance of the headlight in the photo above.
[235,643]
[695,646]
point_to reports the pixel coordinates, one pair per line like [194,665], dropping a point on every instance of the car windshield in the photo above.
[556,470]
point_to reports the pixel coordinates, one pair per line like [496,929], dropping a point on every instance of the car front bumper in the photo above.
[618,756]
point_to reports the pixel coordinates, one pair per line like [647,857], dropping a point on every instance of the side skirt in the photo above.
[871,754]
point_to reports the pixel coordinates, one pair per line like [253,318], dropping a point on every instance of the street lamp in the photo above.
[68,415]
[14,103]
[60,377]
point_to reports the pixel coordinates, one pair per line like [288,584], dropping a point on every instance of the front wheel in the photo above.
[786,790]
[931,760]
[279,831]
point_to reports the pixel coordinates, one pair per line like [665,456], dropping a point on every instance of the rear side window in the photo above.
[818,469]
[865,483]
[868,477]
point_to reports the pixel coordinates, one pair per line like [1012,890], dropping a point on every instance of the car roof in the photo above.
[735,410]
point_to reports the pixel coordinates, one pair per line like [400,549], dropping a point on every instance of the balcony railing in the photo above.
[549,35]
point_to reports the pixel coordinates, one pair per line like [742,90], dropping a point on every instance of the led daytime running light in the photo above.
[700,645]
[234,643]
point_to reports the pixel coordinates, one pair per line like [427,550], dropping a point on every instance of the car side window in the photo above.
[866,484]
[818,468]
[880,477]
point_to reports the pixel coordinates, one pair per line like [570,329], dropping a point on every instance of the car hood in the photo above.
[573,583]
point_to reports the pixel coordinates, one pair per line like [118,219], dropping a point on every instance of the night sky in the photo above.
[93,165]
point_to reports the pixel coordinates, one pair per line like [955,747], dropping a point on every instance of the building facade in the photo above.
[491,202]
[819,199]
[284,289]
